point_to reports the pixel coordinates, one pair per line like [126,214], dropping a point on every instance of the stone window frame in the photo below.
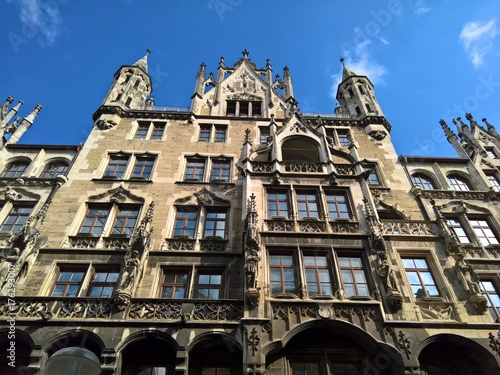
[208,162]
[61,167]
[422,179]
[109,221]
[466,223]
[149,130]
[16,167]
[248,104]
[493,180]
[494,279]
[129,169]
[339,136]
[211,132]
[458,182]
[200,221]
[7,211]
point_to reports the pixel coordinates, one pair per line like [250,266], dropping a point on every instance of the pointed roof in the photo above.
[143,62]
[346,72]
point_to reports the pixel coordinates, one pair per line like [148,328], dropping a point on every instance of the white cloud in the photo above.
[40,19]
[477,39]
[358,59]
[383,40]
[421,8]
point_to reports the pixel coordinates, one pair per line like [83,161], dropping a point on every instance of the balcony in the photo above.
[311,226]
[183,243]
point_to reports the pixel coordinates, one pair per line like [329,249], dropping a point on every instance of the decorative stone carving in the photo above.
[253,341]
[470,282]
[141,237]
[11,195]
[435,311]
[495,342]
[406,228]
[217,311]
[297,127]
[105,124]
[252,258]
[404,344]
[378,134]
[298,166]
[156,311]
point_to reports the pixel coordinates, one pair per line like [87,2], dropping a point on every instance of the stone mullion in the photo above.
[294,214]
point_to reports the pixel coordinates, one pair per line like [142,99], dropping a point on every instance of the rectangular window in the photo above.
[277,204]
[103,283]
[337,205]
[491,153]
[344,137]
[282,274]
[307,205]
[264,134]
[420,277]
[143,167]
[16,218]
[231,107]
[244,108]
[256,108]
[125,221]
[195,169]
[492,298]
[94,221]
[494,182]
[318,275]
[215,224]
[116,167]
[185,222]
[484,232]
[220,134]
[372,178]
[174,284]
[68,283]
[456,226]
[205,131]
[142,130]
[305,367]
[220,170]
[158,130]
[353,276]
[209,285]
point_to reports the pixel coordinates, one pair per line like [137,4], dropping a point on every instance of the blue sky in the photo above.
[427,59]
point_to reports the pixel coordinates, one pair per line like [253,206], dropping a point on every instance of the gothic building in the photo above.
[243,236]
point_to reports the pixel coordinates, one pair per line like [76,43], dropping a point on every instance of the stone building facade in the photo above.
[241,235]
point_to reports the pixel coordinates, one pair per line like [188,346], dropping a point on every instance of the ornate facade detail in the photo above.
[11,195]
[345,169]
[302,167]
[105,124]
[155,311]
[285,311]
[378,134]
[311,226]
[436,311]
[495,342]
[278,225]
[180,244]
[116,243]
[407,228]
[344,227]
[468,278]
[217,311]
[404,344]
[297,127]
[253,341]
[457,194]
[252,258]
[141,237]
[83,242]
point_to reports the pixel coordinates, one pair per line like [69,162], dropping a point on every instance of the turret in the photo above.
[287,78]
[131,86]
[24,125]
[356,94]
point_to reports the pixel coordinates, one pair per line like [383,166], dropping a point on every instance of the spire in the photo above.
[288,83]
[447,131]
[25,125]
[143,62]
[346,72]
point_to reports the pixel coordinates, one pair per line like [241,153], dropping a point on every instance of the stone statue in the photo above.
[131,270]
[466,276]
[385,271]
[8,261]
[251,264]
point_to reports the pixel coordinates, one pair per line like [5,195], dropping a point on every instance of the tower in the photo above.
[356,93]
[131,86]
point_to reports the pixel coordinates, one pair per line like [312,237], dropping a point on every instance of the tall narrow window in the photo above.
[16,218]
[195,169]
[185,222]
[337,205]
[264,135]
[55,169]
[125,221]
[277,204]
[492,298]
[307,205]
[209,285]
[220,134]
[215,224]
[116,167]
[282,274]
[158,130]
[494,182]
[244,108]
[174,284]
[94,221]
[456,226]
[484,232]
[143,167]
[317,275]
[372,178]
[458,183]
[420,277]
[256,108]
[344,137]
[220,170]
[205,131]
[142,131]
[353,276]
[68,283]
[231,107]
[103,283]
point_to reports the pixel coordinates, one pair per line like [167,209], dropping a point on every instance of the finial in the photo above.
[221,62]
[342,60]
[245,53]
[268,64]
[286,71]
[148,51]
[487,123]
[247,138]
[10,99]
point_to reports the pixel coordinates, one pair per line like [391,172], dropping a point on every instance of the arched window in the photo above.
[15,169]
[149,356]
[423,182]
[55,169]
[300,149]
[458,183]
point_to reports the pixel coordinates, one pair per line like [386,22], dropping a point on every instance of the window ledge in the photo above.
[285,296]
[198,182]
[360,298]
[322,297]
[110,179]
[431,300]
